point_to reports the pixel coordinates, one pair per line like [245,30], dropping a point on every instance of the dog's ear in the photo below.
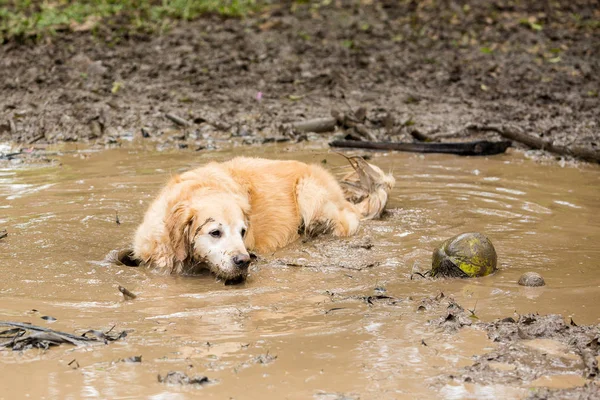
[178,224]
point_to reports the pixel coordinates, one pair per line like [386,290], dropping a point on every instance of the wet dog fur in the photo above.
[212,216]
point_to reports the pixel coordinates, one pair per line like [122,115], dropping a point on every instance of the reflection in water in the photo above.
[326,338]
[20,190]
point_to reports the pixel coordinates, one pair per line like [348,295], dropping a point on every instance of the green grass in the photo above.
[22,19]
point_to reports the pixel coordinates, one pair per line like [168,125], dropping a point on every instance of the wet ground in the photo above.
[432,67]
[327,319]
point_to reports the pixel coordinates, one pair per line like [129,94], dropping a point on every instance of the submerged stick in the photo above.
[43,334]
[126,293]
[3,233]
[478,148]
[45,337]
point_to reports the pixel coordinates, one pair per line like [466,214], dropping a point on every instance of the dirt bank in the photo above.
[417,66]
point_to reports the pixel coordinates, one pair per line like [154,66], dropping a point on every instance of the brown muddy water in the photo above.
[289,331]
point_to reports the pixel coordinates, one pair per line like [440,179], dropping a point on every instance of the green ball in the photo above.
[467,255]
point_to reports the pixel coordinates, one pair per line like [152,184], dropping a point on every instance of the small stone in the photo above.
[531,279]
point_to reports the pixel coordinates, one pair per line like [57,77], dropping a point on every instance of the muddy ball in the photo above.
[466,255]
[531,279]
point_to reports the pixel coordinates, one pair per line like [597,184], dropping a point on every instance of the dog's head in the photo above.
[209,230]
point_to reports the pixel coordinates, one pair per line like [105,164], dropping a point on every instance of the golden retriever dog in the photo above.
[212,216]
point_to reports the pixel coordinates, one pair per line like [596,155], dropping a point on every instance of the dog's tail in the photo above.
[368,187]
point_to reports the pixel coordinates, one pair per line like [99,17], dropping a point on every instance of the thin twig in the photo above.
[178,120]
[126,293]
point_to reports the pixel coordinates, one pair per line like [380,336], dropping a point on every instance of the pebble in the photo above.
[531,279]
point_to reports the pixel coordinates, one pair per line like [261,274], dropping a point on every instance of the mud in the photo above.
[324,318]
[418,68]
[588,391]
[541,349]
[180,378]
[344,321]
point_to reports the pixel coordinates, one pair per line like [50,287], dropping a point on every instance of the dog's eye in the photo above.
[215,233]
[243,232]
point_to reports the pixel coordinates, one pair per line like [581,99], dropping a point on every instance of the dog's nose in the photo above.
[241,261]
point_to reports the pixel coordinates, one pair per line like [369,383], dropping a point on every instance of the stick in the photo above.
[178,120]
[36,138]
[479,148]
[3,234]
[515,133]
[53,337]
[542,144]
[40,336]
[317,125]
[126,293]
[10,156]
[65,336]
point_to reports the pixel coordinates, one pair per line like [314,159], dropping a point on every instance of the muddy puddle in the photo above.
[313,320]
